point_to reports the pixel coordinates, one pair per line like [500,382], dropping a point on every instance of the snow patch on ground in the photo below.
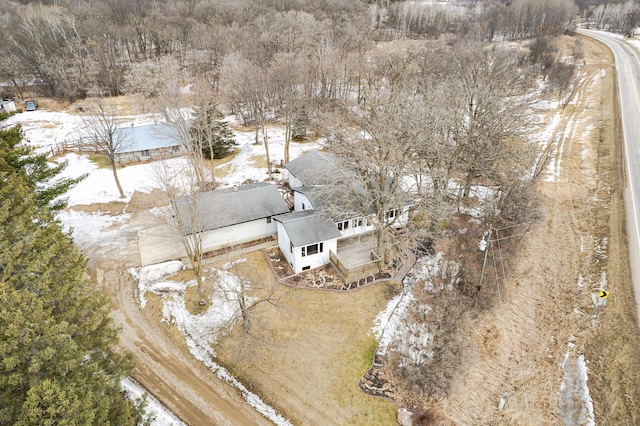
[153,278]
[201,331]
[389,326]
[388,322]
[162,415]
[94,228]
[576,405]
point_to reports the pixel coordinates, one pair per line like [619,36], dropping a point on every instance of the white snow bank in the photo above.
[576,405]
[161,414]
[153,278]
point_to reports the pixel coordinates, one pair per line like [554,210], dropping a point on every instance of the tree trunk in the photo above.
[287,140]
[115,176]
[266,149]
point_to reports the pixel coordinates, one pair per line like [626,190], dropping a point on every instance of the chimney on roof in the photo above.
[235,188]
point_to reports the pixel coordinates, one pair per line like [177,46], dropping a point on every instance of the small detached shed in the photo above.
[307,238]
[150,142]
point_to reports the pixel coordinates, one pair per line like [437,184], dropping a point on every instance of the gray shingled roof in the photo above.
[318,168]
[308,227]
[229,206]
[146,137]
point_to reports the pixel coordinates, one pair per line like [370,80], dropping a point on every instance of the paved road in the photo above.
[628,75]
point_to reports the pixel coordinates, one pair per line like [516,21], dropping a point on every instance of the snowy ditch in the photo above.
[200,331]
[413,341]
[576,405]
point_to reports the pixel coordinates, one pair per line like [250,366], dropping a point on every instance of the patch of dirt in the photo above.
[550,289]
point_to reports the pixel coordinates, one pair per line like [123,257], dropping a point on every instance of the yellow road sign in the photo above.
[603,294]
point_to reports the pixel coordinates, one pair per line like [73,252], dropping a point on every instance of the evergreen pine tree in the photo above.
[37,172]
[300,126]
[57,359]
[213,135]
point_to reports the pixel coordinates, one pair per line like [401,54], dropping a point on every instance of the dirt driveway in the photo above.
[164,365]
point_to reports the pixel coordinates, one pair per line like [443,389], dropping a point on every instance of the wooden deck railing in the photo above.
[358,272]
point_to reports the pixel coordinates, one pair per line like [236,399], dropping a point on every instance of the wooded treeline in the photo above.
[73,48]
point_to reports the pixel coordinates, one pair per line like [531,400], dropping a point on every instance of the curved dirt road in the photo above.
[164,368]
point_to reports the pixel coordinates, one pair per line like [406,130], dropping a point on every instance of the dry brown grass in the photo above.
[518,345]
[310,354]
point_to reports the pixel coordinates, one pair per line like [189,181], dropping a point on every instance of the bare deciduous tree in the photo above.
[248,290]
[247,88]
[379,149]
[188,215]
[484,115]
[103,128]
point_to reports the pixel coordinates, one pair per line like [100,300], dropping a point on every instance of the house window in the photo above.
[343,226]
[145,153]
[312,249]
[290,247]
[306,268]
[174,149]
[269,219]
[303,206]
[358,221]
[391,214]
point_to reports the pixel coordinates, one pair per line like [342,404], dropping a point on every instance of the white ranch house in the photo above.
[321,201]
[232,216]
[322,229]
[227,217]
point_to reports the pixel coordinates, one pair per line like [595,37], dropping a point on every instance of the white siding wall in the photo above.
[237,234]
[356,230]
[298,200]
[296,260]
[293,182]
[314,260]
[284,244]
[403,219]
[352,230]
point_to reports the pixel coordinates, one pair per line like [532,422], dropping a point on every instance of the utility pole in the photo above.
[483,247]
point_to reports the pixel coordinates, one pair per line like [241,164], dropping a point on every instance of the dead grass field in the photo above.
[519,346]
[311,352]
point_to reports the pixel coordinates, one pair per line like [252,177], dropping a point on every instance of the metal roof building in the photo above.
[149,137]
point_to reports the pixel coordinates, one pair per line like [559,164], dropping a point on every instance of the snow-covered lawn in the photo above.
[43,129]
